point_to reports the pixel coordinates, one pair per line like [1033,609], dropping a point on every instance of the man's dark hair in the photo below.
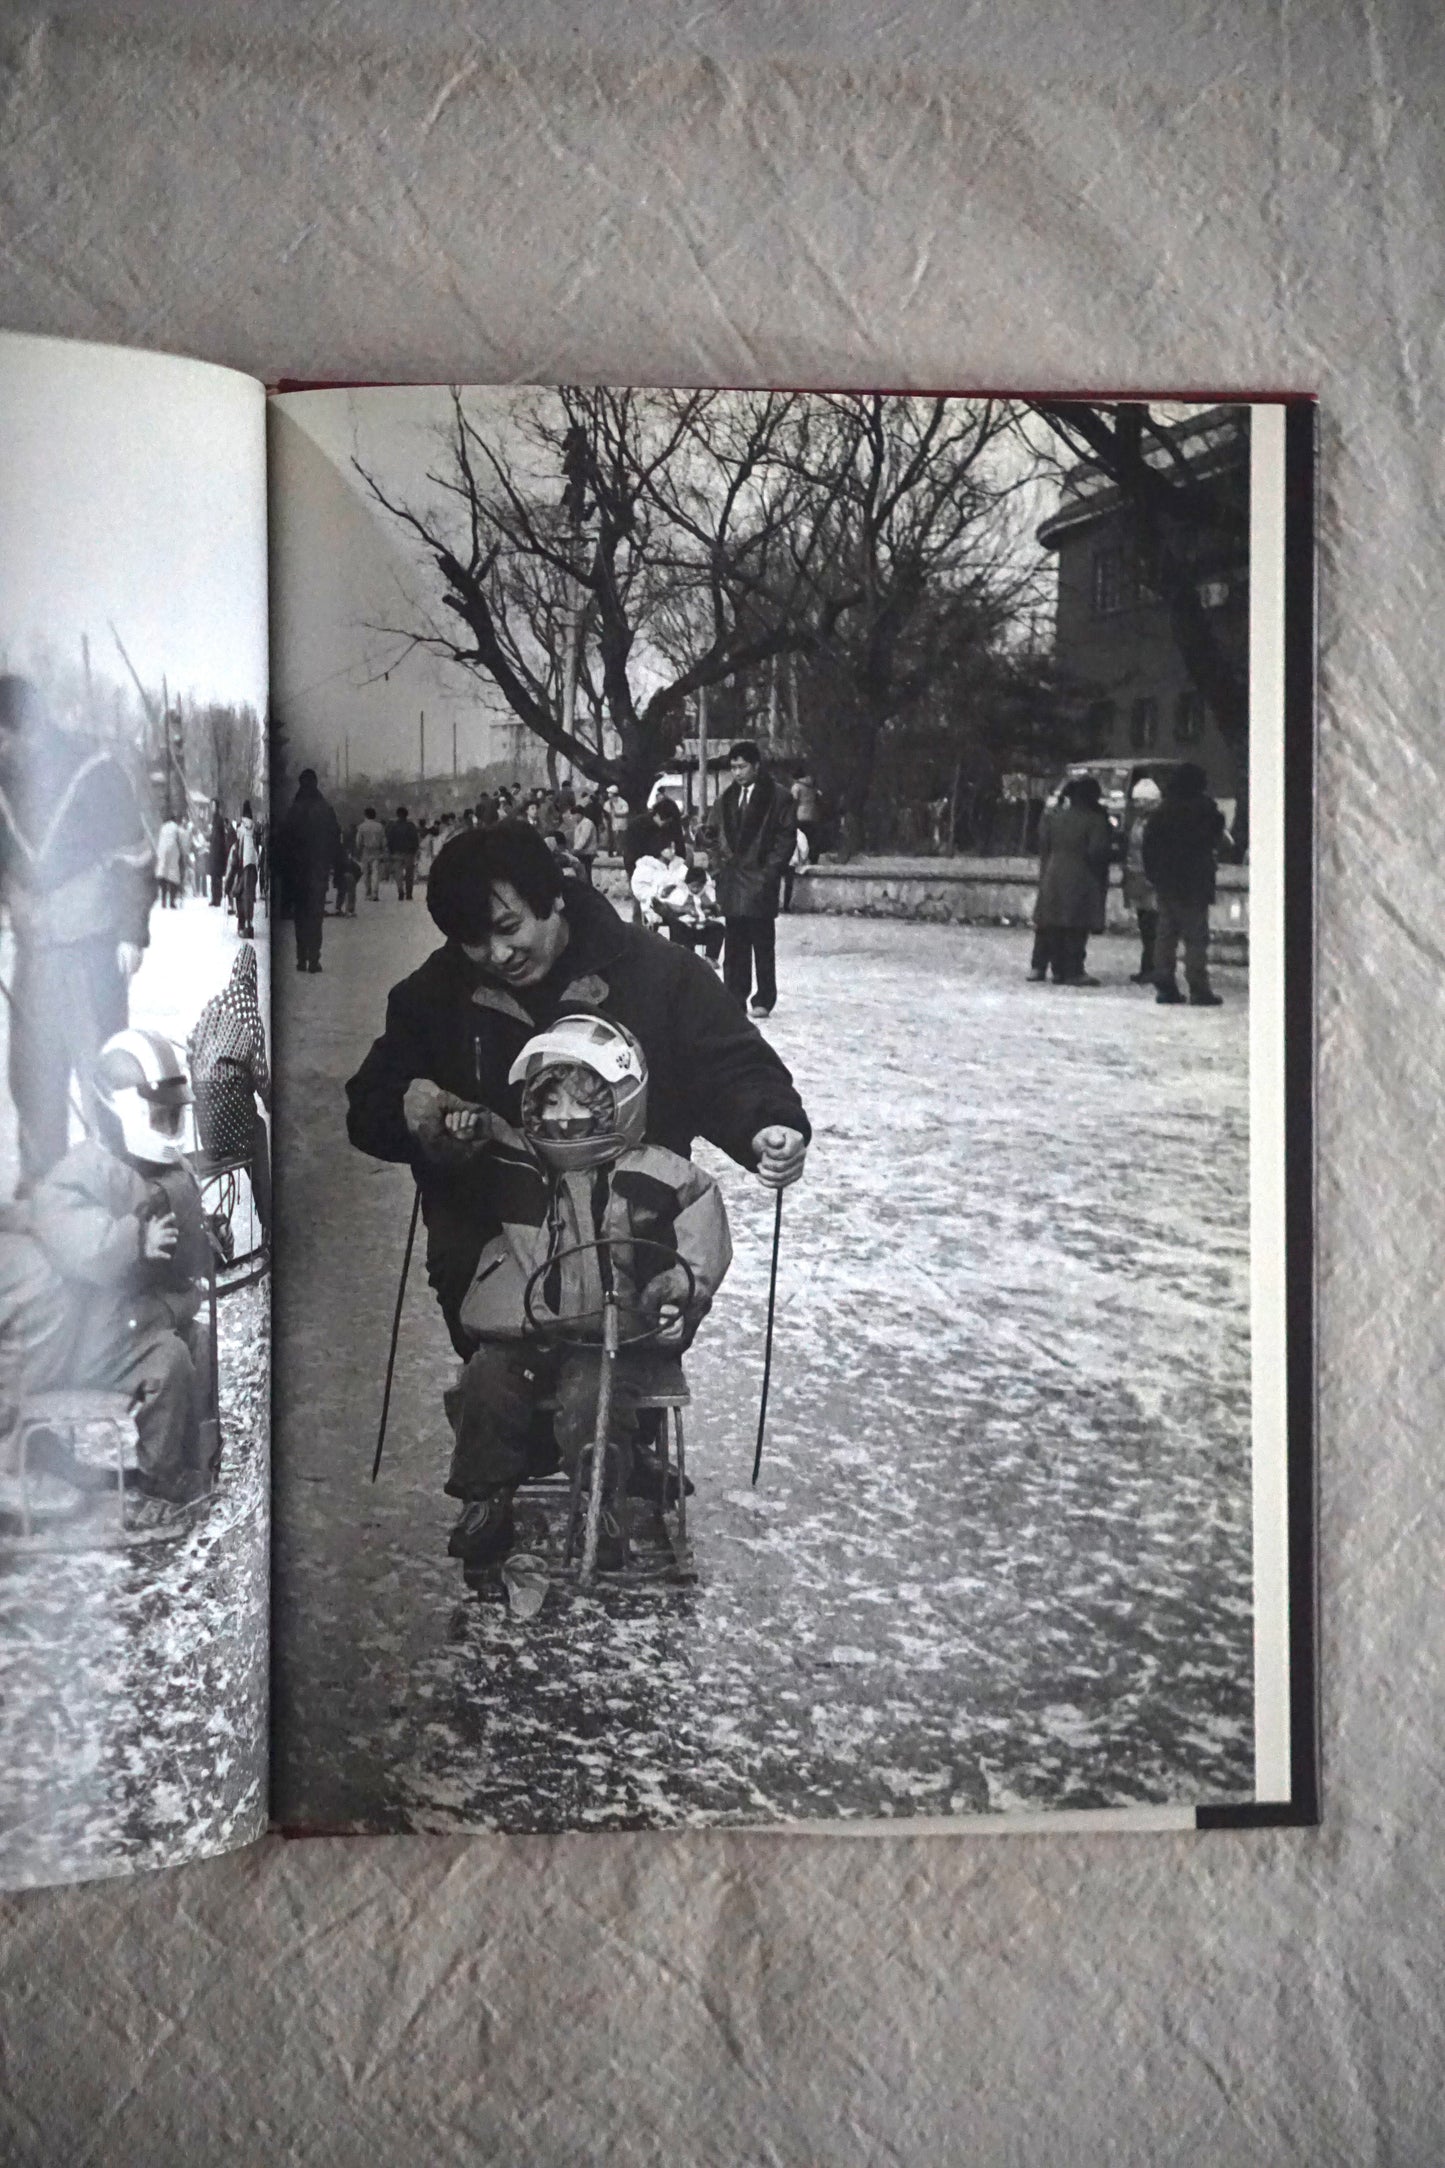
[1188,780]
[401,812]
[746,749]
[1083,790]
[371,813]
[306,780]
[468,867]
[246,813]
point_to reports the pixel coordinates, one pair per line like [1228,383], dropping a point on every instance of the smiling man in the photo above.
[523,946]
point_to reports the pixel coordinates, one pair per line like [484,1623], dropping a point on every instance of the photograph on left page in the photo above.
[134,1107]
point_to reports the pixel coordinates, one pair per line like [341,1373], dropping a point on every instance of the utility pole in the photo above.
[702,752]
[454,748]
[421,731]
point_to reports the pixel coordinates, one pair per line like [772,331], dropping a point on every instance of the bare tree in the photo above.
[926,538]
[682,548]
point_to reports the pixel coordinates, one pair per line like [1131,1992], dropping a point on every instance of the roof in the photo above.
[1212,443]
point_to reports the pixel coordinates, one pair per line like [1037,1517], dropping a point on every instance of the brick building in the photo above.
[1112,633]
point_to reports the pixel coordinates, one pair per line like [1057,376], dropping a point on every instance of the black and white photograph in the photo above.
[781,1137]
[134,1147]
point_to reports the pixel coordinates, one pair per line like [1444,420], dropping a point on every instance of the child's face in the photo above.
[569,1101]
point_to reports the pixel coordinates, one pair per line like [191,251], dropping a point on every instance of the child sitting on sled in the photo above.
[576,1174]
[103,1268]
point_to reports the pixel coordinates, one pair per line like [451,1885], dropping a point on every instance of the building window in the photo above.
[1144,725]
[1099,722]
[1113,583]
[1188,719]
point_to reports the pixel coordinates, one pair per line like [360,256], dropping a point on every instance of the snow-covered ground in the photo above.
[1000,1552]
[133,1682]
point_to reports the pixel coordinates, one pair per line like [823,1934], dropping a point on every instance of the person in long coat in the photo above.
[756,830]
[220,851]
[308,845]
[1076,844]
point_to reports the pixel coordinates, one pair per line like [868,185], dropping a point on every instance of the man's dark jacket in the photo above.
[755,845]
[403,838]
[308,843]
[710,1071]
[1180,845]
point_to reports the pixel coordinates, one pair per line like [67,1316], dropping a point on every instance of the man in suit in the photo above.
[756,832]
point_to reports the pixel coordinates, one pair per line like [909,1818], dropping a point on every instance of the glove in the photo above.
[446,1127]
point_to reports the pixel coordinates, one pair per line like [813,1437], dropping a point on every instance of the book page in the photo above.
[134,1146]
[793,1316]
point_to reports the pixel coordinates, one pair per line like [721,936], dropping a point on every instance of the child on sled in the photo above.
[101,1275]
[576,1175]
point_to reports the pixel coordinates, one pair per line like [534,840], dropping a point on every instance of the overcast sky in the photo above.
[133,491]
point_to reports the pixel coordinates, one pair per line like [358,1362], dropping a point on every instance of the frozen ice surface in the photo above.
[1000,1551]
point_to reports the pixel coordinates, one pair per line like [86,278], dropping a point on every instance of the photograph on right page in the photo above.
[791,1311]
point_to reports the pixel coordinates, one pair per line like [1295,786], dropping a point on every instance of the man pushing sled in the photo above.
[525,948]
[589,1211]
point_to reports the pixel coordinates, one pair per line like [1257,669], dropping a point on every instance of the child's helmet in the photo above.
[608,1051]
[141,1080]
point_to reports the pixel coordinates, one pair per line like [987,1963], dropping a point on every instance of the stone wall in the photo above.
[963,892]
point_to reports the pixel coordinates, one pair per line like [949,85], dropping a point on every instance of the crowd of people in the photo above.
[1169,849]
[713,882]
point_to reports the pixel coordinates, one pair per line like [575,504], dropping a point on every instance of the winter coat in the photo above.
[403,839]
[647,1196]
[1180,843]
[647,832]
[308,844]
[170,853]
[75,861]
[1138,890]
[754,847]
[87,1217]
[710,1071]
[1076,844]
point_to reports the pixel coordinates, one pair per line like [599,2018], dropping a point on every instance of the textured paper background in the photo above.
[1100,194]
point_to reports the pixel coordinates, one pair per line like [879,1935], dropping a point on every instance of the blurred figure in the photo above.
[220,848]
[248,873]
[756,829]
[170,862]
[78,878]
[371,849]
[229,1073]
[403,841]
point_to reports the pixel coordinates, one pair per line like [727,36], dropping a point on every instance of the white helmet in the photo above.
[607,1051]
[141,1079]
[1146,792]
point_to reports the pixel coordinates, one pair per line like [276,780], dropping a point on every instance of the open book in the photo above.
[788,1072]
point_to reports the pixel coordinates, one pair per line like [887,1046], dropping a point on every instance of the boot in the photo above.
[484,1531]
[1205,999]
[1169,995]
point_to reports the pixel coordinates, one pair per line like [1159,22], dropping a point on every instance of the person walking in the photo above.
[371,849]
[78,880]
[1180,854]
[586,837]
[248,872]
[755,830]
[1076,845]
[403,841]
[308,845]
[170,862]
[1138,889]
[220,851]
